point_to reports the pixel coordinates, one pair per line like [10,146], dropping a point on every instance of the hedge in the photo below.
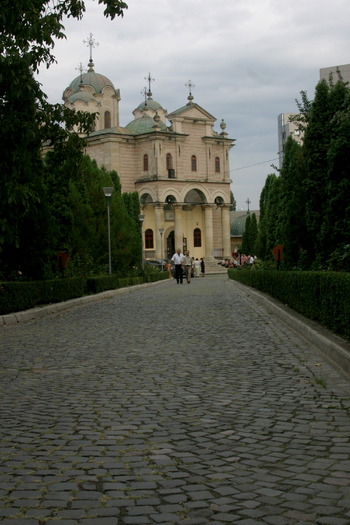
[18,296]
[320,296]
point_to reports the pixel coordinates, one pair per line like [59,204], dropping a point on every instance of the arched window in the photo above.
[197,238]
[193,163]
[107,119]
[145,162]
[169,161]
[149,238]
[217,165]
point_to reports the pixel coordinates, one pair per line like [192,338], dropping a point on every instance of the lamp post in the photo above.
[108,194]
[161,231]
[141,219]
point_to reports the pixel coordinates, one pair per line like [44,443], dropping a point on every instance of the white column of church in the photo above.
[178,228]
[208,225]
[226,231]
[159,223]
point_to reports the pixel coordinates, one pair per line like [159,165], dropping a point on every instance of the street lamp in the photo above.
[141,219]
[161,231]
[108,194]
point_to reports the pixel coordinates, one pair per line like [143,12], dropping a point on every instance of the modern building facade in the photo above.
[176,161]
[336,72]
[287,128]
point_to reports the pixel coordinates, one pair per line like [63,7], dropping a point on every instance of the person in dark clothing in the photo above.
[202,267]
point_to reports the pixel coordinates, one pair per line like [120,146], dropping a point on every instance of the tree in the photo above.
[28,31]
[335,230]
[233,202]
[250,235]
[316,143]
[269,227]
[294,236]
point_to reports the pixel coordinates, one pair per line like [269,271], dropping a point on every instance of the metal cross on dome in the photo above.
[144,92]
[190,85]
[91,43]
[81,71]
[149,80]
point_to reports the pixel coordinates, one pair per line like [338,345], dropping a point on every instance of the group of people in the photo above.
[187,265]
[238,261]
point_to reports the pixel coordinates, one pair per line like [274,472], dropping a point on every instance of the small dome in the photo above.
[85,96]
[97,81]
[150,103]
[144,125]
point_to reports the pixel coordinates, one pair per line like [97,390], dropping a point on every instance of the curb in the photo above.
[335,349]
[41,311]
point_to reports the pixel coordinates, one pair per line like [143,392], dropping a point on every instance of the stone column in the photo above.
[226,231]
[159,223]
[178,227]
[208,228]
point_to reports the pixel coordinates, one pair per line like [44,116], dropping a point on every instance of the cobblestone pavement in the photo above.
[172,404]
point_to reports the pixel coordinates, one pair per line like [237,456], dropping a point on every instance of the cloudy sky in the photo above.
[248,60]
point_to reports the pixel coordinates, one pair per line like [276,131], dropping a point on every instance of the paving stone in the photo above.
[162,417]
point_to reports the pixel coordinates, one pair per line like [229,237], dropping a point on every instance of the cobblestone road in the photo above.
[172,404]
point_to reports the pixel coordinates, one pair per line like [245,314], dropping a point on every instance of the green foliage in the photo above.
[28,31]
[269,217]
[233,202]
[250,235]
[16,296]
[320,296]
[307,208]
[21,296]
[79,215]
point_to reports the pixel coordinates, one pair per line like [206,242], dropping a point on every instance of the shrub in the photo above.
[320,296]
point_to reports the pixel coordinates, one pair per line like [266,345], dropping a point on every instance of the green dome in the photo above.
[143,125]
[97,81]
[81,95]
[238,225]
[150,103]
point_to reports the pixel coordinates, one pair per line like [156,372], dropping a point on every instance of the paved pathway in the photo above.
[173,404]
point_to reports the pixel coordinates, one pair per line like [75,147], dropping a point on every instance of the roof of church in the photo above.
[117,129]
[144,124]
[149,103]
[96,80]
[85,96]
[238,219]
[189,106]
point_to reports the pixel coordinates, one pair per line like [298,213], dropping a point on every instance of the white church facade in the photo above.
[175,161]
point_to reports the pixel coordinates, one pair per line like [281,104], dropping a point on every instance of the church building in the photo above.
[175,161]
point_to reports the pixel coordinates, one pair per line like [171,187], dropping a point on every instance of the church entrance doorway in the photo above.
[170,245]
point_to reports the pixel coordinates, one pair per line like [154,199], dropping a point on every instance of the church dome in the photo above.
[85,96]
[95,80]
[144,124]
[150,103]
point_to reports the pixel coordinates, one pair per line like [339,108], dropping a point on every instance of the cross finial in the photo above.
[91,43]
[81,71]
[190,85]
[149,80]
[144,93]
[248,202]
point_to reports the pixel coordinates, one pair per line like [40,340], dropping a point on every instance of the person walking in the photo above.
[187,263]
[177,260]
[202,267]
[197,267]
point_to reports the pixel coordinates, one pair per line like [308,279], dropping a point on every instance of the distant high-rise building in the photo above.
[335,71]
[285,129]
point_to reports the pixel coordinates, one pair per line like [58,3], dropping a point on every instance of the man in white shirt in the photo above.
[187,263]
[177,260]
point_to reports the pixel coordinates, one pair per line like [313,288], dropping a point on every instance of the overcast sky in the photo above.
[248,60]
